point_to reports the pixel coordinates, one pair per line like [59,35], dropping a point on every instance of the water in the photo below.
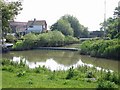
[62,60]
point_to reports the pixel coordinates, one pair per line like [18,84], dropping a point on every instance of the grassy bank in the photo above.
[20,76]
[101,48]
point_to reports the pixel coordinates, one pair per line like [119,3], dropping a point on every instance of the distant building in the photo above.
[36,26]
[96,33]
[18,27]
[30,26]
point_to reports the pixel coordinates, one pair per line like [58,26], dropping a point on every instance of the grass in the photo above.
[20,76]
[33,80]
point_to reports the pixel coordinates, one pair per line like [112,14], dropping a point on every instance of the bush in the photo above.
[106,85]
[101,48]
[71,73]
[90,75]
[86,47]
[112,51]
[50,39]
[18,45]
[21,73]
[71,40]
[27,43]
[10,38]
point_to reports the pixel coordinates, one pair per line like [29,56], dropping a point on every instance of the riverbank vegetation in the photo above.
[106,48]
[50,39]
[101,48]
[81,77]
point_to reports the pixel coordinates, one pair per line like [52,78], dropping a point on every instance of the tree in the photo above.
[63,26]
[8,11]
[113,25]
[71,23]
[74,24]
[85,32]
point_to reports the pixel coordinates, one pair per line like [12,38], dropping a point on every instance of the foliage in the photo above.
[21,73]
[70,73]
[10,38]
[9,11]
[27,42]
[106,85]
[18,45]
[64,27]
[112,25]
[50,39]
[70,25]
[90,75]
[71,40]
[101,48]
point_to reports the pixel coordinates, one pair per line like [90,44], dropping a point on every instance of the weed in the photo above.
[21,73]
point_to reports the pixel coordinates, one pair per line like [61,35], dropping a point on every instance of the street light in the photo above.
[104,19]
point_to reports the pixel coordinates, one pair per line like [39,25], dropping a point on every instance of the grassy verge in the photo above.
[20,76]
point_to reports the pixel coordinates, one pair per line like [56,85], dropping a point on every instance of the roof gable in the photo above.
[37,22]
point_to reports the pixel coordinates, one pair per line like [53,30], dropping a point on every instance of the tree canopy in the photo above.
[113,25]
[70,25]
[8,12]
[64,27]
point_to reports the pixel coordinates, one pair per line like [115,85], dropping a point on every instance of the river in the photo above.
[62,58]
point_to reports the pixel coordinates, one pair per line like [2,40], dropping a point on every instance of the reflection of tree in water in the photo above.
[63,57]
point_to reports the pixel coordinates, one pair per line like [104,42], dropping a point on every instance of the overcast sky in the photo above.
[90,13]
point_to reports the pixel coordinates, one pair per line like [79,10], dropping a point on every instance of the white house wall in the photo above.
[35,28]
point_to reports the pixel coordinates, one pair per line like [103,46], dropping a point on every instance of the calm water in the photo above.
[61,58]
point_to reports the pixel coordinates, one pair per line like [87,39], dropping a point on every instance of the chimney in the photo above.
[34,19]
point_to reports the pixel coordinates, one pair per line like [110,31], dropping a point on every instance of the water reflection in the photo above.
[53,65]
[66,58]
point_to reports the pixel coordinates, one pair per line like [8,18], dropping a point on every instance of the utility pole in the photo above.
[105,19]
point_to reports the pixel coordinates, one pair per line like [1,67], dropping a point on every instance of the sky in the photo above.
[90,13]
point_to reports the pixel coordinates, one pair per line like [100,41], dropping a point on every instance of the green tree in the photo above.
[113,25]
[8,11]
[70,25]
[74,24]
[63,26]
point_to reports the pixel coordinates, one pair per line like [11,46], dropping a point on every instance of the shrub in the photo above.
[90,75]
[5,62]
[21,73]
[112,51]
[18,45]
[106,85]
[71,40]
[50,39]
[10,38]
[8,68]
[70,73]
[101,48]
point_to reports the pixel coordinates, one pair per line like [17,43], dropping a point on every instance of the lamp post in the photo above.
[104,19]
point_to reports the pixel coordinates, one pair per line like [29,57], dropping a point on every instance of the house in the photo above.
[36,26]
[18,27]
